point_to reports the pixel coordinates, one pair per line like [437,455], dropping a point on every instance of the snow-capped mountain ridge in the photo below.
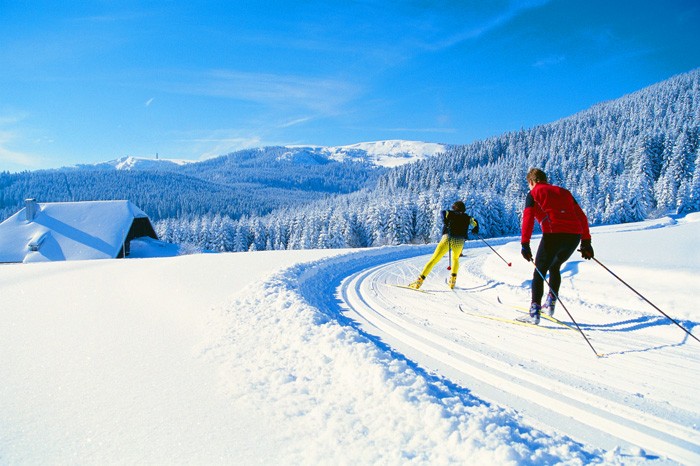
[390,153]
[129,162]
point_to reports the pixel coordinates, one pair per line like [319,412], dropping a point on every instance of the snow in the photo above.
[138,163]
[390,153]
[312,357]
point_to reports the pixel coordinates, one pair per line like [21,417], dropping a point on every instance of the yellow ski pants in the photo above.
[443,248]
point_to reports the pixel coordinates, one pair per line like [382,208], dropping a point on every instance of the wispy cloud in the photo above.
[112,18]
[321,95]
[549,61]
[295,122]
[208,144]
[477,29]
[418,130]
[11,119]
[149,102]
[12,158]
[228,145]
[9,136]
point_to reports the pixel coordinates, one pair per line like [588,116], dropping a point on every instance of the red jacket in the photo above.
[556,210]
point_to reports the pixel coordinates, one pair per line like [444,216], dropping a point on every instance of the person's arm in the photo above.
[528,220]
[583,220]
[527,227]
[586,246]
[474,224]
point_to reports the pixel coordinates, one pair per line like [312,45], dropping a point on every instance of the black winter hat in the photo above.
[459,206]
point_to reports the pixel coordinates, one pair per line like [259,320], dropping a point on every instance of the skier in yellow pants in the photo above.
[454,232]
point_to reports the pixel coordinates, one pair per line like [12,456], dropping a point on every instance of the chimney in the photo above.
[30,209]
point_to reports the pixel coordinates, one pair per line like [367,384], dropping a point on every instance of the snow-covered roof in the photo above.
[68,231]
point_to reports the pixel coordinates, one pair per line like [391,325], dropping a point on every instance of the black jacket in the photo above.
[456,224]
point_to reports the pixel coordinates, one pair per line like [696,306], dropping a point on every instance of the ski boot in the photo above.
[417,284]
[451,282]
[533,317]
[550,303]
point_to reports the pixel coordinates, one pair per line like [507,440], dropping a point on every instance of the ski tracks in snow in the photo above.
[548,373]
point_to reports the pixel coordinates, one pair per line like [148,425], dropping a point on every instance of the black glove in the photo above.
[475,230]
[586,249]
[526,251]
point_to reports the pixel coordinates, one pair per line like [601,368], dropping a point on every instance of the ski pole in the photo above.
[645,299]
[487,244]
[567,311]
[449,254]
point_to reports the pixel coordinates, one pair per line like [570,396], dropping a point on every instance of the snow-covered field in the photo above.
[312,357]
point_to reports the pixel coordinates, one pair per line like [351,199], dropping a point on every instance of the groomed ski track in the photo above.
[547,373]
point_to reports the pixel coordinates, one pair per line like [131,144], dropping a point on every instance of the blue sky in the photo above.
[90,81]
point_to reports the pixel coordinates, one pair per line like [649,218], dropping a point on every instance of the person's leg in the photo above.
[457,246]
[440,251]
[563,247]
[543,260]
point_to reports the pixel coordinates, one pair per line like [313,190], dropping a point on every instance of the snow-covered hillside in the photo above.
[136,163]
[313,357]
[381,153]
[386,153]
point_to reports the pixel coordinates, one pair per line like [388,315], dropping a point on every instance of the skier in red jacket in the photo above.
[563,225]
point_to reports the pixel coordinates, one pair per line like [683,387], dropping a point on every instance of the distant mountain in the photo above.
[300,169]
[381,153]
[390,153]
[133,163]
[243,183]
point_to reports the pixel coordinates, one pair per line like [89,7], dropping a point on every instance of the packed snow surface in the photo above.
[314,357]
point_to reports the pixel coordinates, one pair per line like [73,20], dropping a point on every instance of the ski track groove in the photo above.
[369,300]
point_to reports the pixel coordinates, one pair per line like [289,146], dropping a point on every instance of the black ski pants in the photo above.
[553,251]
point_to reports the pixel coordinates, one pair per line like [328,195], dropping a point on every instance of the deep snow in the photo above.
[312,357]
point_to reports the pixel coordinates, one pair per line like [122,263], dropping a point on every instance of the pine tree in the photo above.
[693,204]
[639,184]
